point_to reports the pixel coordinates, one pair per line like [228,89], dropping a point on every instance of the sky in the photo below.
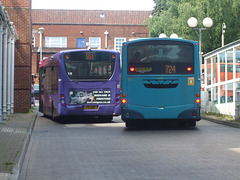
[141,5]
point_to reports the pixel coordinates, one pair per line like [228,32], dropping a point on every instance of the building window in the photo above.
[222,94]
[95,43]
[56,42]
[229,64]
[81,42]
[230,92]
[209,72]
[118,43]
[222,67]
[209,94]
[215,95]
[215,69]
[237,55]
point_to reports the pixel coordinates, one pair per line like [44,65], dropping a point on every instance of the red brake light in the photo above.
[132,69]
[198,100]
[124,101]
[189,69]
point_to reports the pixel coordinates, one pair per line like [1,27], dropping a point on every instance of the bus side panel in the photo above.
[48,88]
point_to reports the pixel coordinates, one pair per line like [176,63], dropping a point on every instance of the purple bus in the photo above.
[80,82]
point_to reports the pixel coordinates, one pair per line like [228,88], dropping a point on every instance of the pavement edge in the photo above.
[223,122]
[17,167]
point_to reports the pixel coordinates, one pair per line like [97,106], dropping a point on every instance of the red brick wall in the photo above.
[19,12]
[72,32]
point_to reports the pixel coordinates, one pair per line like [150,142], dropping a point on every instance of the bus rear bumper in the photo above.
[70,110]
[189,114]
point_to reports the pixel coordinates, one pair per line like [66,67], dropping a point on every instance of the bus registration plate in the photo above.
[90,107]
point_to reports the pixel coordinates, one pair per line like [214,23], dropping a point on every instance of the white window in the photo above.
[118,43]
[95,43]
[57,42]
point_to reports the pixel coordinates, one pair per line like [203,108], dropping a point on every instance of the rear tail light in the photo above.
[62,100]
[132,69]
[189,69]
[198,101]
[124,100]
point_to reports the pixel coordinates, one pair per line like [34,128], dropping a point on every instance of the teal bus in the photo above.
[161,81]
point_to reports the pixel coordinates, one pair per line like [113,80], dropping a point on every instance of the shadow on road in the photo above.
[82,120]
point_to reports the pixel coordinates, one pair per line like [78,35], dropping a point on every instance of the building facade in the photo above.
[221,83]
[19,12]
[73,29]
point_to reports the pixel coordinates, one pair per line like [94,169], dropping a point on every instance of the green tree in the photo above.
[171,16]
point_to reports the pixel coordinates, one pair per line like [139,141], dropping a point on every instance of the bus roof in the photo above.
[157,39]
[78,50]
[54,57]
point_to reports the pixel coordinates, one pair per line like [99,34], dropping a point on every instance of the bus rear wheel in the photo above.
[192,123]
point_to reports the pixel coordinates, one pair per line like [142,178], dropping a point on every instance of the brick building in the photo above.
[71,29]
[19,12]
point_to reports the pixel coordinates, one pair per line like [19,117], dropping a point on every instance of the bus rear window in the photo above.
[177,58]
[89,65]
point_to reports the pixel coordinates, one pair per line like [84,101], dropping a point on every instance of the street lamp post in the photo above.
[223,31]
[207,23]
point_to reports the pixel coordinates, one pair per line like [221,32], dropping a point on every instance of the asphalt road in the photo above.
[108,151]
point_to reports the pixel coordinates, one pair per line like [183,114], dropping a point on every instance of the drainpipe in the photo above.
[1,79]
[12,80]
[40,41]
[5,37]
[106,38]
[9,76]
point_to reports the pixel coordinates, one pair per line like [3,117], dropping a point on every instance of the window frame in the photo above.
[50,44]
[116,46]
[92,44]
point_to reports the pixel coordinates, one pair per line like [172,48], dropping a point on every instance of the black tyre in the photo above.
[192,123]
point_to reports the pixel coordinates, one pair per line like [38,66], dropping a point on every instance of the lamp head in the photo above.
[192,22]
[162,35]
[207,22]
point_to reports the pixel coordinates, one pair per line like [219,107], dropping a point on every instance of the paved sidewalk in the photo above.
[14,138]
